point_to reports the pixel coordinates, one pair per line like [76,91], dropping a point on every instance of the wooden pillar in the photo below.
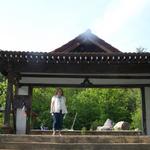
[146,110]
[13,107]
[143,112]
[29,111]
[9,98]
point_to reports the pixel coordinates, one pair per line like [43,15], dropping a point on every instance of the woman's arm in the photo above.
[52,105]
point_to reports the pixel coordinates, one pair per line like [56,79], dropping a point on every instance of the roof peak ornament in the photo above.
[88,31]
[86,35]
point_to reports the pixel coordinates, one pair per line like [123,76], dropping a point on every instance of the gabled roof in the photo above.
[86,42]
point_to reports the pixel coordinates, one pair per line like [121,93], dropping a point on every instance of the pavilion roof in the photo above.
[15,57]
[86,50]
[86,42]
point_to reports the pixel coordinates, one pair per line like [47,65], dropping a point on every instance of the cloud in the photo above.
[116,15]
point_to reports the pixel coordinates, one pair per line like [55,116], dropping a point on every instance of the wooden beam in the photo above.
[143,111]
[13,106]
[29,111]
[89,86]
[84,68]
[99,76]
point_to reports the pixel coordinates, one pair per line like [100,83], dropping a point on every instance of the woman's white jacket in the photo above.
[58,104]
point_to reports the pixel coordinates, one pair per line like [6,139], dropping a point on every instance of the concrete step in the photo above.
[79,132]
[74,139]
[75,146]
[8,149]
[75,142]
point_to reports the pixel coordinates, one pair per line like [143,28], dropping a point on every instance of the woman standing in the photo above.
[58,110]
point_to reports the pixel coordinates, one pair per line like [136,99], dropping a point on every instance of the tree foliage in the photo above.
[3,85]
[99,104]
[141,50]
[137,119]
[93,106]
[41,107]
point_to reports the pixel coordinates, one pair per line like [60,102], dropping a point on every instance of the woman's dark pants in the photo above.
[57,121]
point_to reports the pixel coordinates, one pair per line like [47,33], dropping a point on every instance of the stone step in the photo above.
[79,132]
[74,139]
[74,146]
[8,149]
[76,142]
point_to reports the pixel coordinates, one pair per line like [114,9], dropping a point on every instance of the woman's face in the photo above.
[59,93]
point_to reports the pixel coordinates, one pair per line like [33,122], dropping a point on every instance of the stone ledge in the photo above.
[79,132]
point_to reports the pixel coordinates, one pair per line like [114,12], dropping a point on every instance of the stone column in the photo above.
[21,111]
[24,94]
[146,110]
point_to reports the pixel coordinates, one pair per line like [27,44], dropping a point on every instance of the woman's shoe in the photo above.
[60,133]
[54,133]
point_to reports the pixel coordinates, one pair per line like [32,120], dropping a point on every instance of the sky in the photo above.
[44,25]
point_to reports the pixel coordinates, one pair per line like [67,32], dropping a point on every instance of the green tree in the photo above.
[141,50]
[93,106]
[137,119]
[99,104]
[41,106]
[3,85]
[137,115]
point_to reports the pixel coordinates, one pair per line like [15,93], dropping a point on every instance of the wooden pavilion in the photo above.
[86,61]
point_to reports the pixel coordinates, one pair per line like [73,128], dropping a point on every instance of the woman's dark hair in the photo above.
[59,89]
